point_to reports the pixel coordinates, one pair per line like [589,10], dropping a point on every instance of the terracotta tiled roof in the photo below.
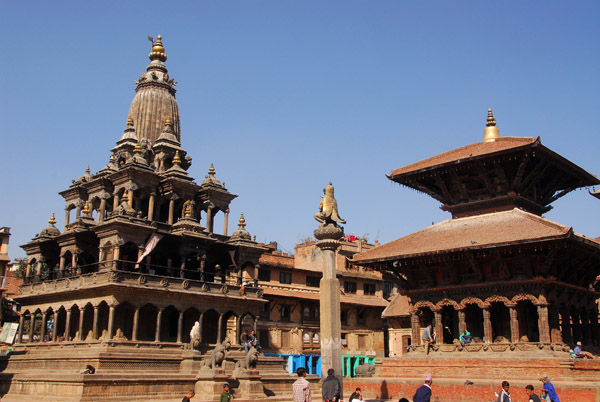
[468,152]
[473,232]
[370,301]
[398,307]
[279,260]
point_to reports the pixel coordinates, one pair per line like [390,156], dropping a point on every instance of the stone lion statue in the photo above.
[250,361]
[217,356]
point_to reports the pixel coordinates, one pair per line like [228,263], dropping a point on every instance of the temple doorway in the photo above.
[500,318]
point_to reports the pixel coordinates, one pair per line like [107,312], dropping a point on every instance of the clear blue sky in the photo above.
[285,96]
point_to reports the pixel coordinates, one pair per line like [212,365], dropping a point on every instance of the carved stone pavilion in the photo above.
[138,264]
[498,268]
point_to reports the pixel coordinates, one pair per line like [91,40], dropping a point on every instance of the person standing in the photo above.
[225,395]
[427,338]
[549,390]
[191,393]
[331,388]
[301,387]
[531,395]
[423,393]
[504,394]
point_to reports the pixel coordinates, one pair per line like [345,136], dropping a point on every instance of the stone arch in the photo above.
[168,324]
[447,302]
[523,297]
[147,323]
[473,300]
[124,313]
[209,329]
[499,299]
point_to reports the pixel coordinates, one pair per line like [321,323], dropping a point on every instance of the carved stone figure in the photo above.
[365,370]
[217,356]
[247,364]
[328,210]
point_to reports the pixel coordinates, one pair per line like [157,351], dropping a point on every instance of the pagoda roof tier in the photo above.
[471,233]
[497,175]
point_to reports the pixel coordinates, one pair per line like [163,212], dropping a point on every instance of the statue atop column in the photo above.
[328,213]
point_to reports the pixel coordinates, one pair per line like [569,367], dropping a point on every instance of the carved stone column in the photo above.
[565,318]
[462,325]
[255,325]
[43,329]
[151,201]
[80,330]
[487,326]
[329,288]
[68,325]
[415,326]
[115,201]
[95,323]
[130,198]
[226,222]
[102,210]
[209,219]
[55,327]
[67,210]
[543,324]
[179,326]
[111,321]
[514,324]
[158,323]
[20,332]
[220,328]
[171,210]
[136,320]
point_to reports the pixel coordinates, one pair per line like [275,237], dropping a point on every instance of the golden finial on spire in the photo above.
[129,121]
[158,51]
[211,170]
[242,222]
[168,122]
[491,132]
[138,148]
[176,159]
[52,221]
[86,208]
[87,169]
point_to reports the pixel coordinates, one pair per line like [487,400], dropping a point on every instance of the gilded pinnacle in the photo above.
[52,221]
[87,169]
[129,121]
[168,122]
[158,51]
[138,148]
[86,208]
[176,159]
[491,132]
[242,222]
[211,171]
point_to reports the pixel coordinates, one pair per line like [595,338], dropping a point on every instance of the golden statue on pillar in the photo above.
[328,210]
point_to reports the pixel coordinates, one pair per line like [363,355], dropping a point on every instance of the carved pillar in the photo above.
[438,327]
[179,326]
[102,210]
[20,333]
[31,326]
[543,324]
[116,253]
[67,210]
[487,326]
[78,210]
[514,324]
[226,222]
[151,207]
[415,327]
[462,325]
[43,329]
[255,326]
[68,326]
[95,323]
[115,201]
[61,265]
[54,327]
[565,321]
[130,198]
[81,315]
[136,320]
[111,321]
[209,219]
[171,211]
[200,322]
[158,321]
[220,328]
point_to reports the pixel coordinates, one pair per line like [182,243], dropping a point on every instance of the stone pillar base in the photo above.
[210,384]
[251,386]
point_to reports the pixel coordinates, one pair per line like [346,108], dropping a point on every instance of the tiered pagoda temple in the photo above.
[515,280]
